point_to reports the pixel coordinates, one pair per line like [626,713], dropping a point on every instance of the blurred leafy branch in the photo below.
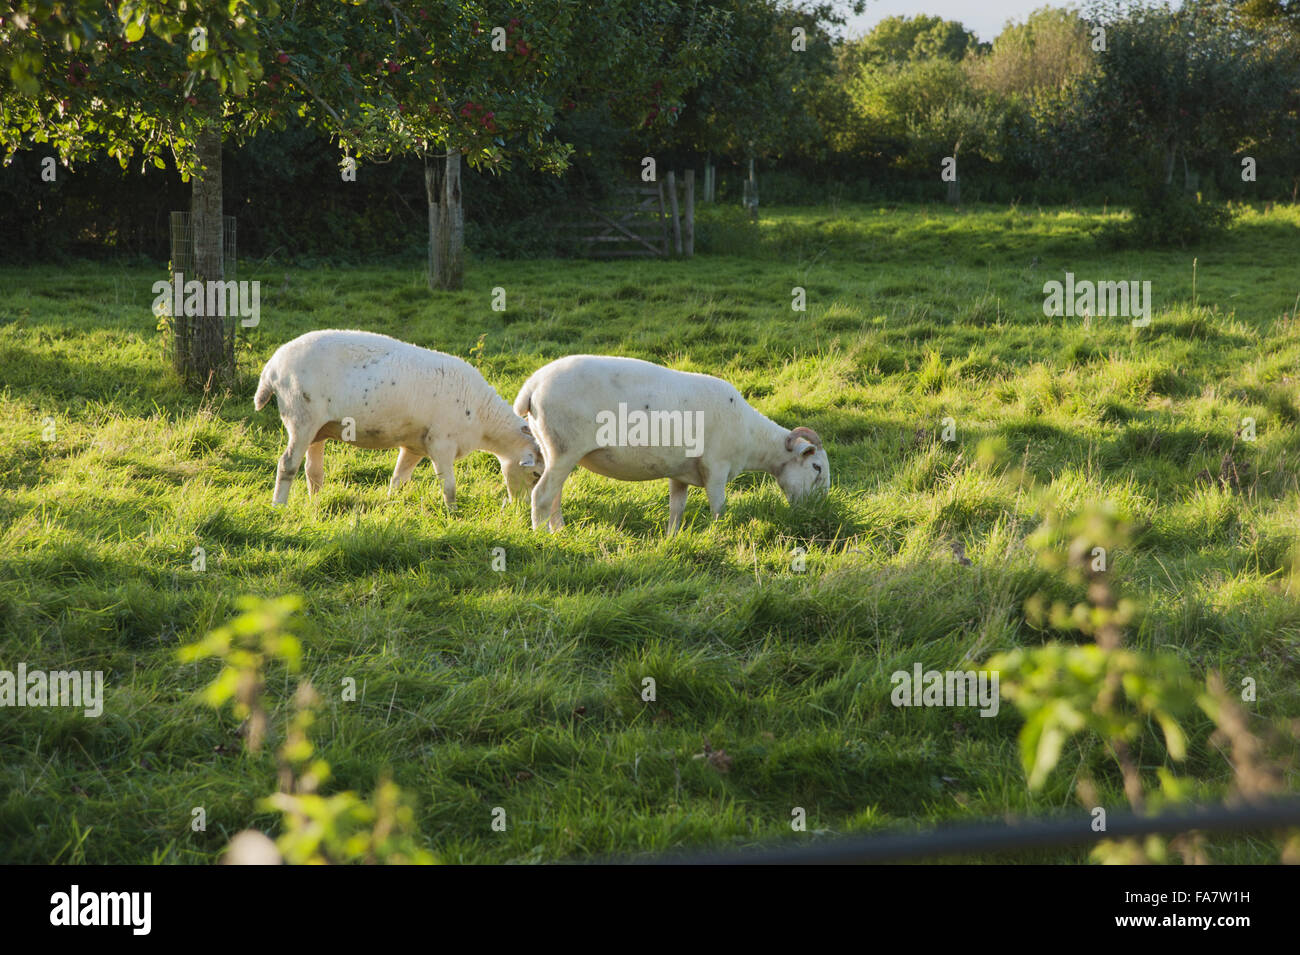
[1107,691]
[317,829]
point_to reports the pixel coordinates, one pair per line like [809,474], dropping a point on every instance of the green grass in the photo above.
[522,689]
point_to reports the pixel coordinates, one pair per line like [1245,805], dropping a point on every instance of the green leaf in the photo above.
[1174,738]
[222,688]
[1047,755]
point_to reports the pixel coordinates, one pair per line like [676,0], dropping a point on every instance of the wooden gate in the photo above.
[642,220]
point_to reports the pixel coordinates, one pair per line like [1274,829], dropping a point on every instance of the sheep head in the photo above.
[807,469]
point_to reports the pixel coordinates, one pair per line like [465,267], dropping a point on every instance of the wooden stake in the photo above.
[663,224]
[688,232]
[672,200]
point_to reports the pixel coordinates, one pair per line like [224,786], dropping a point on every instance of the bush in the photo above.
[725,230]
[1167,216]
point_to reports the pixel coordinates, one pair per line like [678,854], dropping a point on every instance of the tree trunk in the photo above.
[210,360]
[446,226]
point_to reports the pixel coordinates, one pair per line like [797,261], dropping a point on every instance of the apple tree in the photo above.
[146,79]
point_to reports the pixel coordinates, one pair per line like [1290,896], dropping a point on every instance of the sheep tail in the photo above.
[264,390]
[523,403]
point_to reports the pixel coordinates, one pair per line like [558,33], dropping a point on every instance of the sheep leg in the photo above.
[557,517]
[444,460]
[546,493]
[407,459]
[315,467]
[290,462]
[677,492]
[716,488]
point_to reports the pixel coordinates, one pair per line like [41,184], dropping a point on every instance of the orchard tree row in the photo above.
[1144,95]
[480,82]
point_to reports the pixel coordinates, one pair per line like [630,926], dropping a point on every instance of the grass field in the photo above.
[522,688]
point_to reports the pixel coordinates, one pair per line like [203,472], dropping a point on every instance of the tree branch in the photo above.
[314,95]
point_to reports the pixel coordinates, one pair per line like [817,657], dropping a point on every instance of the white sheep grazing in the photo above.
[695,430]
[377,392]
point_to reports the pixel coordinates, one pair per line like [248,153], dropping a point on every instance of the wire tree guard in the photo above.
[202,346]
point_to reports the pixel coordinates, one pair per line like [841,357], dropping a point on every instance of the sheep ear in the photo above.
[809,449]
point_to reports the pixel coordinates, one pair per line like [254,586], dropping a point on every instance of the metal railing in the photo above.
[996,837]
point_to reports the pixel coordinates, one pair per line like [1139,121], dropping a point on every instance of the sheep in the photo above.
[378,392]
[578,409]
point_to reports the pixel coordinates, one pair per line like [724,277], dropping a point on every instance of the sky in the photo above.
[985,17]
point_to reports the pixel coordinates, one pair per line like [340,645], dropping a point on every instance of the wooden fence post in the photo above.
[452,240]
[688,230]
[671,185]
[663,216]
[954,187]
[751,190]
[433,169]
